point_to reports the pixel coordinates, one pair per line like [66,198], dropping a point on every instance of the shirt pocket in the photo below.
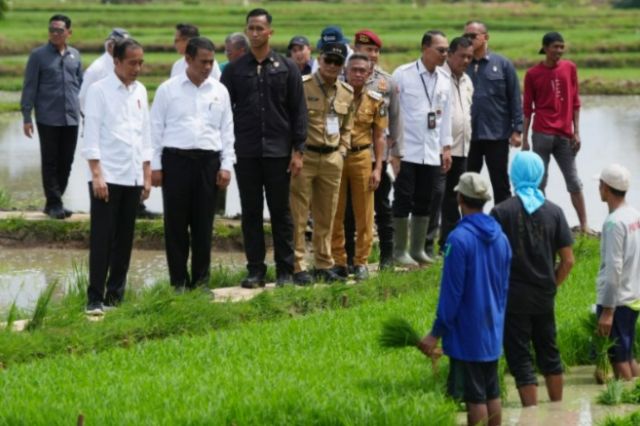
[365,114]
[341,107]
[211,111]
[496,80]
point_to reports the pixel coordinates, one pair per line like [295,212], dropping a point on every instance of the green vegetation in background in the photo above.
[5,199]
[632,419]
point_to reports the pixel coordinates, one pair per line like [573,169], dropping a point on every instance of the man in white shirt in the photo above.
[193,154]
[103,66]
[117,144]
[618,282]
[185,32]
[425,99]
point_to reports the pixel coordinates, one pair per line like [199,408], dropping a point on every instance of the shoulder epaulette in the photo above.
[346,86]
[383,72]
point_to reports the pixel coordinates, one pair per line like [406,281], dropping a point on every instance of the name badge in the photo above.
[333,124]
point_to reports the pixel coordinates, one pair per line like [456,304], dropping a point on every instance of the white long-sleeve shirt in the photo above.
[180,66]
[99,69]
[421,144]
[186,116]
[461,100]
[117,130]
[618,281]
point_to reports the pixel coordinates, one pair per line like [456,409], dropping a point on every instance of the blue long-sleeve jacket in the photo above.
[473,290]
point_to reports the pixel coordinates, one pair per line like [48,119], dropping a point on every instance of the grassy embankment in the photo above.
[292,356]
[608,60]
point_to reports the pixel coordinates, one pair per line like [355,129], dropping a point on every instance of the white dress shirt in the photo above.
[117,130]
[421,144]
[186,116]
[99,69]
[461,100]
[180,66]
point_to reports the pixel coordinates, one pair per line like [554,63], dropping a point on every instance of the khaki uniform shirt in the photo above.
[381,82]
[370,113]
[323,101]
[461,99]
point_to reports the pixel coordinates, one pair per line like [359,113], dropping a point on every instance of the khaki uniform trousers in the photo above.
[355,177]
[316,187]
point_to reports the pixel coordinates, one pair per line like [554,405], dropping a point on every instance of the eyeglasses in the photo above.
[472,36]
[441,50]
[333,60]
[56,30]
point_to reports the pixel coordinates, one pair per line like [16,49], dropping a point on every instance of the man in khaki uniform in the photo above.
[329,105]
[370,122]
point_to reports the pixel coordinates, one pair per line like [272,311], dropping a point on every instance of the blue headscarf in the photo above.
[527,170]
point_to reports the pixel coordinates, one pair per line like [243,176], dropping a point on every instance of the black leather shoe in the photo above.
[56,213]
[283,279]
[341,271]
[386,263]
[253,281]
[328,276]
[361,272]
[302,278]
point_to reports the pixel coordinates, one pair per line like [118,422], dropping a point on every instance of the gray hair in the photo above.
[238,40]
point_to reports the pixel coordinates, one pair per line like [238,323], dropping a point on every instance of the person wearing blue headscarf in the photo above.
[537,231]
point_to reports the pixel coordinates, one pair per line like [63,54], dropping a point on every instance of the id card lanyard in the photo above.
[332,124]
[431,115]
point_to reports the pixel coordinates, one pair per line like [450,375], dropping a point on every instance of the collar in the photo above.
[270,57]
[423,70]
[184,78]
[486,57]
[447,70]
[318,78]
[117,84]
[55,49]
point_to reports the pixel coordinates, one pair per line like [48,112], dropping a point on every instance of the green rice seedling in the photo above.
[398,333]
[601,346]
[613,394]
[632,396]
[12,316]
[5,199]
[42,306]
[632,419]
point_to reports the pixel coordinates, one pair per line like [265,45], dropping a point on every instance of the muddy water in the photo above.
[24,273]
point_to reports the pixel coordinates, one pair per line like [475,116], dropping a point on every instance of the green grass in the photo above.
[632,419]
[5,199]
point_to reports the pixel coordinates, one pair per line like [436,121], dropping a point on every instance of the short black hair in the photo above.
[358,56]
[459,42]
[188,30]
[472,203]
[63,18]
[616,192]
[484,26]
[199,43]
[259,12]
[121,46]
[238,41]
[427,38]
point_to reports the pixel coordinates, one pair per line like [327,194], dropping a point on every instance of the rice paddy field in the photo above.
[289,356]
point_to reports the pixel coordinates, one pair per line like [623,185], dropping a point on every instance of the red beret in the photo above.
[368,37]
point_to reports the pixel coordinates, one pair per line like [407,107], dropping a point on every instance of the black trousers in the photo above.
[496,154]
[413,189]
[111,239]
[435,206]
[383,216]
[189,195]
[57,148]
[270,175]
[450,213]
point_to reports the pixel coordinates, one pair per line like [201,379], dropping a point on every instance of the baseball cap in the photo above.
[331,34]
[473,185]
[549,38]
[118,34]
[335,49]
[367,37]
[616,176]
[298,41]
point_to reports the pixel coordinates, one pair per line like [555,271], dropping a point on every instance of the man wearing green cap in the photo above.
[537,231]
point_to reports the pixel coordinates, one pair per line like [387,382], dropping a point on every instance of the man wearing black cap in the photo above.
[300,52]
[329,102]
[551,94]
[270,124]
[332,34]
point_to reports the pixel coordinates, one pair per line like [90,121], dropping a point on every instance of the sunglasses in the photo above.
[56,30]
[333,60]
[442,50]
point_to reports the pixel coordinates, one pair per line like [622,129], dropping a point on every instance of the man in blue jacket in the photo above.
[473,298]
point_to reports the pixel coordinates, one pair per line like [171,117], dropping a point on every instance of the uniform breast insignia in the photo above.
[495,69]
[375,95]
[382,85]
[383,111]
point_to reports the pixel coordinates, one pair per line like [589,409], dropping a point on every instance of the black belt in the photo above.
[192,153]
[321,149]
[359,148]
